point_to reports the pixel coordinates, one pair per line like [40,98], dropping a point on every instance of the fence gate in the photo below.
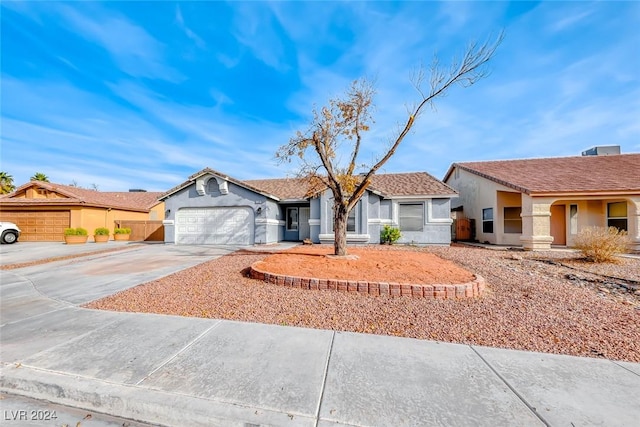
[149,231]
[464,229]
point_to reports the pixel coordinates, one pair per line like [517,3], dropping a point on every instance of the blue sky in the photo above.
[143,94]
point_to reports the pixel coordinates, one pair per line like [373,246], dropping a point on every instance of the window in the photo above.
[292,218]
[573,219]
[512,220]
[411,217]
[617,215]
[487,220]
[351,221]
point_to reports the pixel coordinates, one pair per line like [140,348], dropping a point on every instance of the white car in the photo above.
[9,232]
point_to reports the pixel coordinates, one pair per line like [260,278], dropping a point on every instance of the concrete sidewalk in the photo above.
[176,371]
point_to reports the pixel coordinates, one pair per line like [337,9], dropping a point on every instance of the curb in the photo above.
[138,403]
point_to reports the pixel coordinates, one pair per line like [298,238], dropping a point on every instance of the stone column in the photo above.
[536,223]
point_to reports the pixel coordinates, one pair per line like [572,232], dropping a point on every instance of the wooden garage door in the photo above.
[42,226]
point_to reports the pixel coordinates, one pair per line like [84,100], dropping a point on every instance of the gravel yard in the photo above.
[538,301]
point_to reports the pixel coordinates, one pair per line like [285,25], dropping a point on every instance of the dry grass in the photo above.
[599,244]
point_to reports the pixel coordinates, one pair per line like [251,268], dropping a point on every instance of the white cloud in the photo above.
[134,50]
[255,28]
[187,31]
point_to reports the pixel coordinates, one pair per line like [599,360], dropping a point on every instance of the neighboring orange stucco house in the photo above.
[43,210]
[539,202]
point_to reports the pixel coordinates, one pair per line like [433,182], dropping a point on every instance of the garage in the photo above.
[39,226]
[215,226]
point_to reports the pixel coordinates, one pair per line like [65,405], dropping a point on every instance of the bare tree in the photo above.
[345,120]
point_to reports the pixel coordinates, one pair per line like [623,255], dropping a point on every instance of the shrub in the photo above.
[125,230]
[389,235]
[75,231]
[101,231]
[600,244]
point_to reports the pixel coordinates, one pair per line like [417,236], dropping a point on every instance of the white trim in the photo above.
[201,183]
[431,219]
[270,221]
[422,197]
[314,222]
[379,221]
[350,237]
[168,222]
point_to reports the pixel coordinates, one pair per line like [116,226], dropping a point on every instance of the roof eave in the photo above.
[496,180]
[208,171]
[589,193]
[421,196]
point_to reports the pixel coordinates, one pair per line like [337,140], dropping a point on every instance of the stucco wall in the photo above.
[505,199]
[476,194]
[436,229]
[314,219]
[375,220]
[236,197]
[92,218]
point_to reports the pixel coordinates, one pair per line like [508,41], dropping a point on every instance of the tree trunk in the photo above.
[340,217]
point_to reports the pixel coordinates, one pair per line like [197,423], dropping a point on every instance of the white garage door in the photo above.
[214,226]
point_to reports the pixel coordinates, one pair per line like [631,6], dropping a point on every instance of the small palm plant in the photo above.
[39,176]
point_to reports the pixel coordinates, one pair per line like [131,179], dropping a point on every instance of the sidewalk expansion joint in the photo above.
[42,294]
[513,390]
[324,379]
[34,316]
[182,350]
[624,367]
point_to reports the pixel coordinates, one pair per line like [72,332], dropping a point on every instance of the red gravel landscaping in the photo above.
[539,301]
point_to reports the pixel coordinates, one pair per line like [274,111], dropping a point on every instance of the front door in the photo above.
[304,231]
[559,224]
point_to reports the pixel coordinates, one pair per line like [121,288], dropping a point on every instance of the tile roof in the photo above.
[389,185]
[283,188]
[393,184]
[580,174]
[410,184]
[136,201]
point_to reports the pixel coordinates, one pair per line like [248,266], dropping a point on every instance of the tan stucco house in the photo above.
[43,210]
[537,203]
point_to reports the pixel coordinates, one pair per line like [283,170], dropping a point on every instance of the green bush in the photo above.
[600,244]
[389,235]
[101,231]
[125,230]
[75,231]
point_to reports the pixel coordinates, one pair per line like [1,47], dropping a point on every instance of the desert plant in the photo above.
[389,235]
[124,230]
[601,244]
[101,231]
[79,231]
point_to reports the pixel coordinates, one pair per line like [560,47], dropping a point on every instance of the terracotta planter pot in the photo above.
[101,238]
[121,236]
[75,240]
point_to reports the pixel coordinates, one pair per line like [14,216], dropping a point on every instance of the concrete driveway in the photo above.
[46,287]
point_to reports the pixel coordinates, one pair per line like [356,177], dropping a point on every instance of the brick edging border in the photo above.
[471,289]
